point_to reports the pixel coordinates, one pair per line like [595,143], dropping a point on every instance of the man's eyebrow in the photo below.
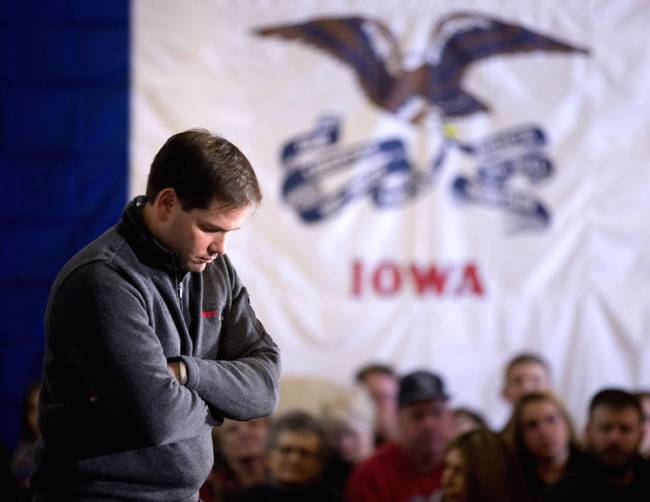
[215,228]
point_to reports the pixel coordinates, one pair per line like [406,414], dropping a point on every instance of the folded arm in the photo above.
[100,326]
[242,383]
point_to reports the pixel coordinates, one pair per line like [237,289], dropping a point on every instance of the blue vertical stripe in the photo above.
[64,100]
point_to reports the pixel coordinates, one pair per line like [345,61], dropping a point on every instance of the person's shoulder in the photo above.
[578,460]
[643,470]
[387,456]
[325,493]
[568,488]
[107,259]
[101,250]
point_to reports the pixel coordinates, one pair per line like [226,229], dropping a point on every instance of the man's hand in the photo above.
[178,371]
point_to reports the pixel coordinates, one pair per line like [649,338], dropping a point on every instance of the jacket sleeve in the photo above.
[98,323]
[242,383]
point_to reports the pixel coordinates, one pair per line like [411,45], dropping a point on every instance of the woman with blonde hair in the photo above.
[479,467]
[545,441]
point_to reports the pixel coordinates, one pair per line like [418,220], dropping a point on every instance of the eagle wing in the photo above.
[465,38]
[461,39]
[365,45]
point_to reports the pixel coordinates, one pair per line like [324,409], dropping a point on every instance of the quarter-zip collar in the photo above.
[149,250]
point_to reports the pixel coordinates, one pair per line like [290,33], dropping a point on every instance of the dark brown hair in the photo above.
[297,422]
[616,399]
[533,397]
[202,168]
[490,469]
[367,370]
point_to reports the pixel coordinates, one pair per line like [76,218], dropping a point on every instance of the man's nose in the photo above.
[614,435]
[218,246]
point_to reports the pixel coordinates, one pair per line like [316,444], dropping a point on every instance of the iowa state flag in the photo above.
[445,185]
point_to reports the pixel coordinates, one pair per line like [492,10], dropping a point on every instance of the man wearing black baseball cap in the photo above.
[412,465]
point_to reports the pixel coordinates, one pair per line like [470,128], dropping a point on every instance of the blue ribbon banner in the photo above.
[322,177]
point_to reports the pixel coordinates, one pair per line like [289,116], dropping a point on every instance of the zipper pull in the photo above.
[180,290]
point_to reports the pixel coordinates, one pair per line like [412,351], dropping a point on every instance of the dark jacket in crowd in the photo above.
[591,484]
[536,487]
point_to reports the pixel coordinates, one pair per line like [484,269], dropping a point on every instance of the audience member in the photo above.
[644,401]
[412,466]
[296,454]
[616,471]
[239,458]
[526,372]
[23,463]
[480,468]
[545,440]
[381,381]
[465,420]
[349,427]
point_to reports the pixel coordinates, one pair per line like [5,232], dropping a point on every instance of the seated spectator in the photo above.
[411,467]
[480,468]
[381,382]
[239,458]
[524,373]
[465,420]
[23,463]
[349,428]
[545,441]
[644,400]
[616,471]
[295,455]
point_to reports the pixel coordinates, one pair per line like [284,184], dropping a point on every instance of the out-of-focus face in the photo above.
[453,477]
[383,392]
[614,436]
[645,444]
[243,440]
[424,431]
[197,236]
[545,432]
[295,459]
[352,439]
[524,378]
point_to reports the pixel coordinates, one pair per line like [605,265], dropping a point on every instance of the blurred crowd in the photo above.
[391,437]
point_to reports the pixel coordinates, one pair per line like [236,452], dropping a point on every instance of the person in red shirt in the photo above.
[411,467]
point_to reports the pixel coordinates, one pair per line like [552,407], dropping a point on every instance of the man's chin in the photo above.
[195,266]
[616,463]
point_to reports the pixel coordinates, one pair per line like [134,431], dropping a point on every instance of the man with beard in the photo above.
[616,471]
[410,468]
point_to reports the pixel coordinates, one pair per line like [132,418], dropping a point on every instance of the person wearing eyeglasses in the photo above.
[295,456]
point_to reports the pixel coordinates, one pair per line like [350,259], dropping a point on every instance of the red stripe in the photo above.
[210,314]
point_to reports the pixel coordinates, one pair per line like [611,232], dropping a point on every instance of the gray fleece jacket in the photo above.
[116,425]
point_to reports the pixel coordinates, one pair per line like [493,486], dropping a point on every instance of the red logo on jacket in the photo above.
[210,314]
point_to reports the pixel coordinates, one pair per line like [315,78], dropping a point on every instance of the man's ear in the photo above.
[165,203]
